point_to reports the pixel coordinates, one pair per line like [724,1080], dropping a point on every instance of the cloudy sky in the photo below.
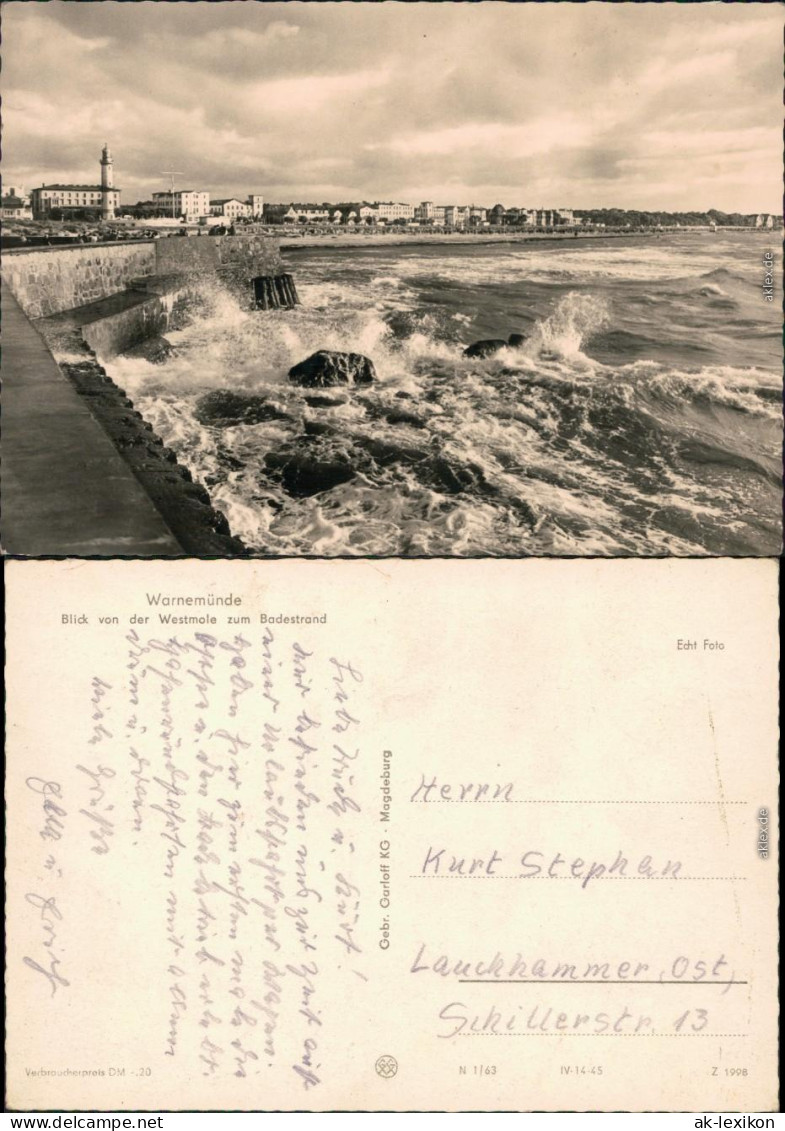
[670,105]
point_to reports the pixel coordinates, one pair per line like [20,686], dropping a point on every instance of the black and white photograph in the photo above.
[395,279]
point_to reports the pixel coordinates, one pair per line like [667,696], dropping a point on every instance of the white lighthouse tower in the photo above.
[107,184]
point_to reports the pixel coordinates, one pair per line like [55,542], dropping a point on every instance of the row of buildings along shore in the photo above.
[102,202]
[426,214]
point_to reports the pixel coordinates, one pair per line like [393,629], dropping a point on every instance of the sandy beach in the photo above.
[411,239]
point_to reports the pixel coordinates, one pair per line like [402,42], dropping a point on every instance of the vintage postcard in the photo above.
[413,280]
[351,291]
[392,836]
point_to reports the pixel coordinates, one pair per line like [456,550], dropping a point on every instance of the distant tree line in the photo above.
[623,217]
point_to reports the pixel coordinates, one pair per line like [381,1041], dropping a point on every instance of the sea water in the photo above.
[641,416]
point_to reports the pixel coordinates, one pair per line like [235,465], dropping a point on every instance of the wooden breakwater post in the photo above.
[274,292]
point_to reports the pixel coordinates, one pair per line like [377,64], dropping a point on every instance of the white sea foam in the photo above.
[541,449]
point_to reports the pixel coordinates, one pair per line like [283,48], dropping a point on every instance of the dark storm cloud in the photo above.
[563,104]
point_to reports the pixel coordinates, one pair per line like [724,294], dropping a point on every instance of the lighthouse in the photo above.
[107,184]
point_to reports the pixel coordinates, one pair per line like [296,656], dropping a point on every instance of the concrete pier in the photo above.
[66,489]
[47,280]
[114,324]
[83,473]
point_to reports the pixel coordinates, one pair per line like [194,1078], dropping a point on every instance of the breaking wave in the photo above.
[582,441]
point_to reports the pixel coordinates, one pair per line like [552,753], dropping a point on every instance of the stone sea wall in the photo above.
[251,254]
[50,279]
[200,529]
[112,334]
[91,302]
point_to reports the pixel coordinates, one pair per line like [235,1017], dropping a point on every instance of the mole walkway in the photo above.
[65,488]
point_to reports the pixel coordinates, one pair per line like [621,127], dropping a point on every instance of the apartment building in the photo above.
[230,209]
[456,216]
[15,205]
[388,210]
[310,213]
[547,217]
[429,213]
[190,203]
[345,214]
[70,198]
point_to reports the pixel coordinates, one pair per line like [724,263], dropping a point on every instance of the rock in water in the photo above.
[328,367]
[405,418]
[485,348]
[157,350]
[305,473]
[516,340]
[223,409]
[324,402]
